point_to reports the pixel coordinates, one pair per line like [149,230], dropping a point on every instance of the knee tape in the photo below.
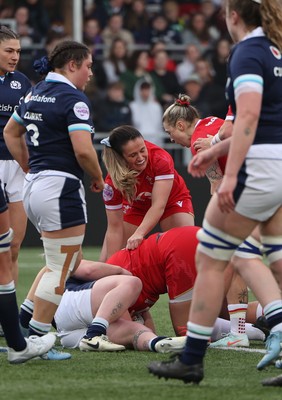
[272,247]
[5,240]
[216,243]
[250,248]
[61,256]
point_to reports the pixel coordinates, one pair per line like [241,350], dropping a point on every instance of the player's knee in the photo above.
[134,285]
[5,241]
[249,249]
[215,243]
[62,252]
[49,287]
[61,255]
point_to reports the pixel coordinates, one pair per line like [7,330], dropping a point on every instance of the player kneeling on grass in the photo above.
[93,315]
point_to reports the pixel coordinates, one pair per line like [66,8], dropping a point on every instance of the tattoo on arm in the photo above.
[247,131]
[214,172]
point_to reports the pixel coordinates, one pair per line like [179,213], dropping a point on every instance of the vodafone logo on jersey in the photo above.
[275,52]
[81,110]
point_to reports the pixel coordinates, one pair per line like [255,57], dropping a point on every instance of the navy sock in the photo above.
[154,341]
[26,311]
[194,351]
[95,329]
[9,319]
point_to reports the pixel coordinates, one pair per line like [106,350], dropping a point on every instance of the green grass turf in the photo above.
[105,376]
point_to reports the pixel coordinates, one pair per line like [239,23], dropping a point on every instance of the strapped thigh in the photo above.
[215,243]
[272,247]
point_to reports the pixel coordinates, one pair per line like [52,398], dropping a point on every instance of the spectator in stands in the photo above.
[193,87]
[187,66]
[171,10]
[161,30]
[214,17]
[117,61]
[213,93]
[114,29]
[155,47]
[137,69]
[137,21]
[28,34]
[38,17]
[197,32]
[218,59]
[167,80]
[147,113]
[112,111]
[92,34]
[6,10]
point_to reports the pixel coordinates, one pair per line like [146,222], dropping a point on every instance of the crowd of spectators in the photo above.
[168,46]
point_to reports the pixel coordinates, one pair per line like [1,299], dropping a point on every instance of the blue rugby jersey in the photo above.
[13,86]
[50,111]
[257,62]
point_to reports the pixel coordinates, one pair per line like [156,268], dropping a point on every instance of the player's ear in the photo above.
[180,125]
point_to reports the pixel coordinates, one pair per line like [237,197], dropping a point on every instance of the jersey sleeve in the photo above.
[162,164]
[112,197]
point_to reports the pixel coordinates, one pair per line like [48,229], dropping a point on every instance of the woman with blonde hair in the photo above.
[142,189]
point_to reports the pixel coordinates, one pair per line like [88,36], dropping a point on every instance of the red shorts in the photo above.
[135,216]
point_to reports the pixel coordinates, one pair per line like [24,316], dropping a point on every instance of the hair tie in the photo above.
[42,66]
[183,102]
[106,142]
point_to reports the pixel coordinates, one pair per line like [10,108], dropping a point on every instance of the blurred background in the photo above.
[145,53]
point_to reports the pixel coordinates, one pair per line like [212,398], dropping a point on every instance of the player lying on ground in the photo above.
[165,263]
[92,314]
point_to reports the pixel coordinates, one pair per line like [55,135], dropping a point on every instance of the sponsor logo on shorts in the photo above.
[108,193]
[81,110]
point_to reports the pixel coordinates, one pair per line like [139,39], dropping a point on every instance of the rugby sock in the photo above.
[98,327]
[26,311]
[38,328]
[273,313]
[198,337]
[237,315]
[9,317]
[154,341]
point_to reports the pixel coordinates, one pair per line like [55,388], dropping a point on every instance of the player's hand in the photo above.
[200,162]
[203,143]
[134,241]
[97,185]
[225,194]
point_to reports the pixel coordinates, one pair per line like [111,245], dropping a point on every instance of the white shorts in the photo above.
[258,194]
[12,177]
[73,317]
[54,200]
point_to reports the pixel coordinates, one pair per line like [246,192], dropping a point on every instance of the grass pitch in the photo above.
[229,375]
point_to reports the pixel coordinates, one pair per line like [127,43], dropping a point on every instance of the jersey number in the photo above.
[34,137]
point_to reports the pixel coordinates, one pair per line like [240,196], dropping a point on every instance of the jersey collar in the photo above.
[55,77]
[255,33]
